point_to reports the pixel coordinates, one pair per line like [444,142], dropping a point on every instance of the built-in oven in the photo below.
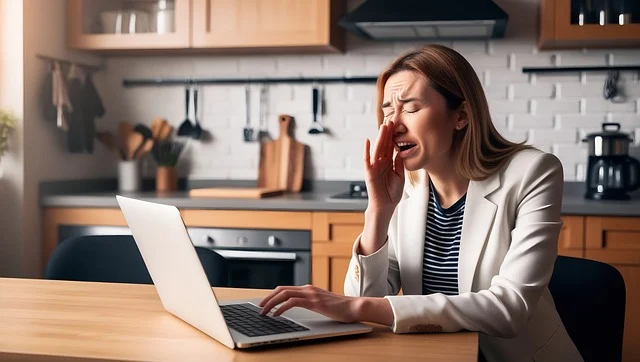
[256,258]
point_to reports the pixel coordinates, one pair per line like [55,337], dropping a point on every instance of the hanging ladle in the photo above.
[247,131]
[196,132]
[316,127]
[186,128]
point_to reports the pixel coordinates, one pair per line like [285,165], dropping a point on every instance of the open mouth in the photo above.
[403,146]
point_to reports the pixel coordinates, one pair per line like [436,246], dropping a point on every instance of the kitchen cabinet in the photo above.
[332,237]
[106,26]
[309,25]
[616,240]
[571,239]
[216,26]
[558,29]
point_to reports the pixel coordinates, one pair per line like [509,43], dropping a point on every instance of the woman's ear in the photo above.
[463,117]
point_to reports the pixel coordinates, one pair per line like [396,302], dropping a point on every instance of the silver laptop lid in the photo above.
[174,266]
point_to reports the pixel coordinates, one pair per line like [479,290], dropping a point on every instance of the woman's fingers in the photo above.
[271,295]
[377,151]
[293,302]
[279,298]
[367,154]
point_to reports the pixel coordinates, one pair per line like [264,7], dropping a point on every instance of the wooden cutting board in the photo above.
[235,192]
[280,170]
[282,160]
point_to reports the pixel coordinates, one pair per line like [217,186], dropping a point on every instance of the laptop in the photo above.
[185,292]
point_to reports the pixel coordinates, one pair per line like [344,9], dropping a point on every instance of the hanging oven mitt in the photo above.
[60,98]
[93,108]
[75,136]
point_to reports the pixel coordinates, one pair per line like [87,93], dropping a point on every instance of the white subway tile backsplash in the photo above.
[344,174]
[298,64]
[553,136]
[625,56]
[375,64]
[533,60]
[498,91]
[497,106]
[571,154]
[494,77]
[361,92]
[516,135]
[346,107]
[579,90]
[400,47]
[517,46]
[254,65]
[529,121]
[598,105]
[577,121]
[542,109]
[223,66]
[569,58]
[545,106]
[338,65]
[527,90]
[483,61]
[468,48]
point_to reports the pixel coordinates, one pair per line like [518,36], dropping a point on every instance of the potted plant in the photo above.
[8,122]
[167,154]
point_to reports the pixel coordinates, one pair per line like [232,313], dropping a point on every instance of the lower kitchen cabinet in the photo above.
[613,240]
[332,237]
[616,240]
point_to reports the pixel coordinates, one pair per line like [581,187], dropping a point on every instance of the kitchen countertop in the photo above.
[573,201]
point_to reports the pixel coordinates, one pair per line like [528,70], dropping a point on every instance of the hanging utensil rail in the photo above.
[298,80]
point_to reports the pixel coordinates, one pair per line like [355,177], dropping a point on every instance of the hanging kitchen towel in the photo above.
[47,102]
[93,108]
[60,98]
[75,135]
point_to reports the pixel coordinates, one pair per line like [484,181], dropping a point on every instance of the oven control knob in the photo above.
[210,240]
[242,240]
[273,241]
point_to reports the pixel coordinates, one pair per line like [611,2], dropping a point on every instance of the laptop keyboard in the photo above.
[246,319]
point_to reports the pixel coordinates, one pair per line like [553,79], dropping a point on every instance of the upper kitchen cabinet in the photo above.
[278,25]
[126,25]
[566,24]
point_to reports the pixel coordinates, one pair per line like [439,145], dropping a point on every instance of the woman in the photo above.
[465,222]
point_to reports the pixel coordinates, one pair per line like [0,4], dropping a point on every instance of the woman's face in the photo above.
[424,127]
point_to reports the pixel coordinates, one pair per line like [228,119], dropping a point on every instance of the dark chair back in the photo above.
[590,298]
[116,259]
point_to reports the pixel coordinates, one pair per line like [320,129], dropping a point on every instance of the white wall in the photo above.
[38,153]
[552,111]
[11,164]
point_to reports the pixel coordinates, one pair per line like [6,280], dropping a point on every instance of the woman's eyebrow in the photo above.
[388,104]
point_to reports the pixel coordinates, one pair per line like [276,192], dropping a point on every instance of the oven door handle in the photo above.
[257,255]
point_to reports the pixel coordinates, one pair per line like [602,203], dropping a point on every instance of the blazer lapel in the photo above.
[411,234]
[477,222]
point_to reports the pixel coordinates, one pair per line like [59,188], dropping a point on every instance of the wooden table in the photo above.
[46,320]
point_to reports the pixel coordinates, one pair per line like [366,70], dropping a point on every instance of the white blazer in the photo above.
[508,248]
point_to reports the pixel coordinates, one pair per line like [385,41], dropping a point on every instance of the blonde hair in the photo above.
[479,149]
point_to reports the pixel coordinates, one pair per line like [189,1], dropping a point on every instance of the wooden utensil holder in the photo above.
[166,178]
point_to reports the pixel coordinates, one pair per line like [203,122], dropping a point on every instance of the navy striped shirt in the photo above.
[442,246]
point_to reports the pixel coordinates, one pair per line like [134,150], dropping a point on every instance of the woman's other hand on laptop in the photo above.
[335,306]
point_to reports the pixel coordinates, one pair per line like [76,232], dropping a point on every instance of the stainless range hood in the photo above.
[426,19]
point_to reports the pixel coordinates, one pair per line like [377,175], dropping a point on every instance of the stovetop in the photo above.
[357,191]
